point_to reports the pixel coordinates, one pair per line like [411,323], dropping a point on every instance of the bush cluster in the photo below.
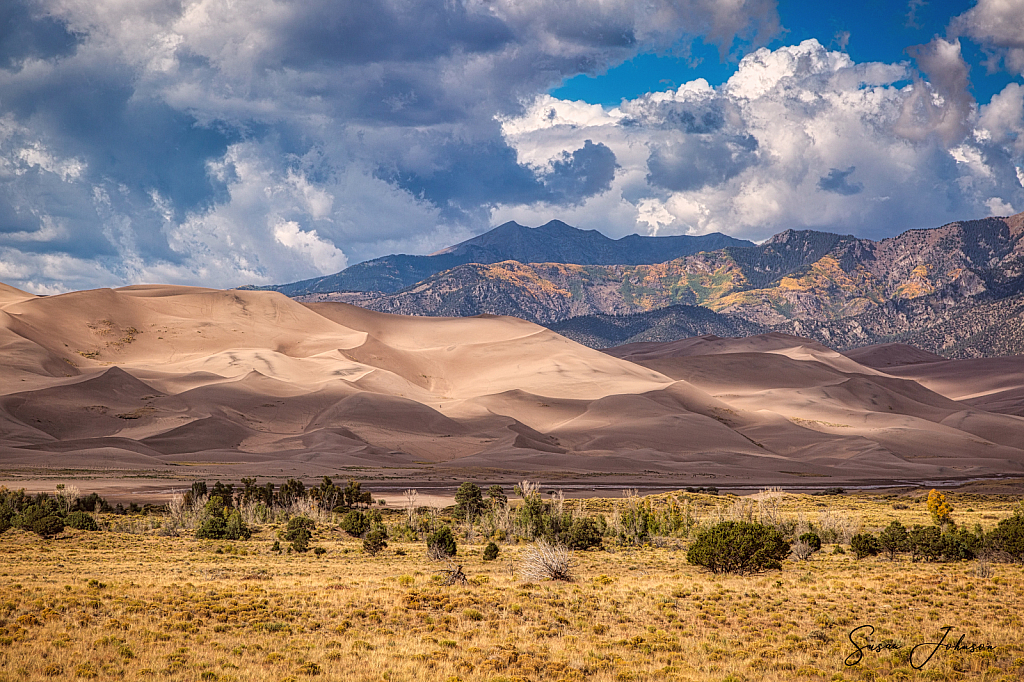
[221,522]
[46,515]
[946,543]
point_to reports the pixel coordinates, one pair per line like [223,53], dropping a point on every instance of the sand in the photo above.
[145,388]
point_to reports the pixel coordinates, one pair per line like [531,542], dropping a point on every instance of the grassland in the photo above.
[137,605]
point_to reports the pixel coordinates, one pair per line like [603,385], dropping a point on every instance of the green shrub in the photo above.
[583,534]
[375,541]
[29,515]
[355,523]
[738,547]
[925,543]
[491,552]
[865,544]
[1008,536]
[81,521]
[296,525]
[441,543]
[893,539]
[319,551]
[300,539]
[832,491]
[236,528]
[497,497]
[214,525]
[812,540]
[48,526]
[959,544]
[469,499]
[299,532]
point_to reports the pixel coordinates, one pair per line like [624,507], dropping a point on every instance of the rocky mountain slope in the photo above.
[554,242]
[953,289]
[664,324]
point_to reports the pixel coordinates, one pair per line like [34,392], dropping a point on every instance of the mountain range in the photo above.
[554,242]
[954,290]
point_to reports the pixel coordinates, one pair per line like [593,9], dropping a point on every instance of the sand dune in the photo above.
[181,382]
[885,355]
[990,384]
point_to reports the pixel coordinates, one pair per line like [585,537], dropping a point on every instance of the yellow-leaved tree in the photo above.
[941,511]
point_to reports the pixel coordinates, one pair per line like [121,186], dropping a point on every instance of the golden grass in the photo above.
[138,606]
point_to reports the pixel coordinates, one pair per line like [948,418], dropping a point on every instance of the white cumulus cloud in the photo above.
[798,137]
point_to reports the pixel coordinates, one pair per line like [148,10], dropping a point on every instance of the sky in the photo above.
[228,142]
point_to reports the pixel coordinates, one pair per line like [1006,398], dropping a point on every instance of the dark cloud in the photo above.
[584,173]
[469,175]
[96,115]
[948,76]
[25,33]
[837,183]
[699,117]
[367,31]
[699,161]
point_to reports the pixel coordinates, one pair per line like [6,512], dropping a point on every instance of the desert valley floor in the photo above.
[171,383]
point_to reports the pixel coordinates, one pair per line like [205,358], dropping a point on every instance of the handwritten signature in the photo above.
[919,654]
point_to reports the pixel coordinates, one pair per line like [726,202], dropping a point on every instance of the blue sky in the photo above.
[871,31]
[225,142]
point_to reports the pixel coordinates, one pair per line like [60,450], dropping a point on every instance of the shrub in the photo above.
[296,525]
[832,491]
[213,526]
[925,543]
[894,538]
[812,540]
[355,523]
[375,541]
[81,521]
[548,561]
[959,544]
[300,539]
[92,503]
[29,515]
[583,534]
[637,521]
[497,497]
[441,543]
[864,544]
[491,552]
[1008,537]
[468,500]
[236,528]
[319,551]
[738,547]
[299,531]
[48,526]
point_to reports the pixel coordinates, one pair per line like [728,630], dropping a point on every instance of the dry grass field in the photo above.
[136,605]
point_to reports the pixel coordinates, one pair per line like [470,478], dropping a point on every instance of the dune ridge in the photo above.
[167,380]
